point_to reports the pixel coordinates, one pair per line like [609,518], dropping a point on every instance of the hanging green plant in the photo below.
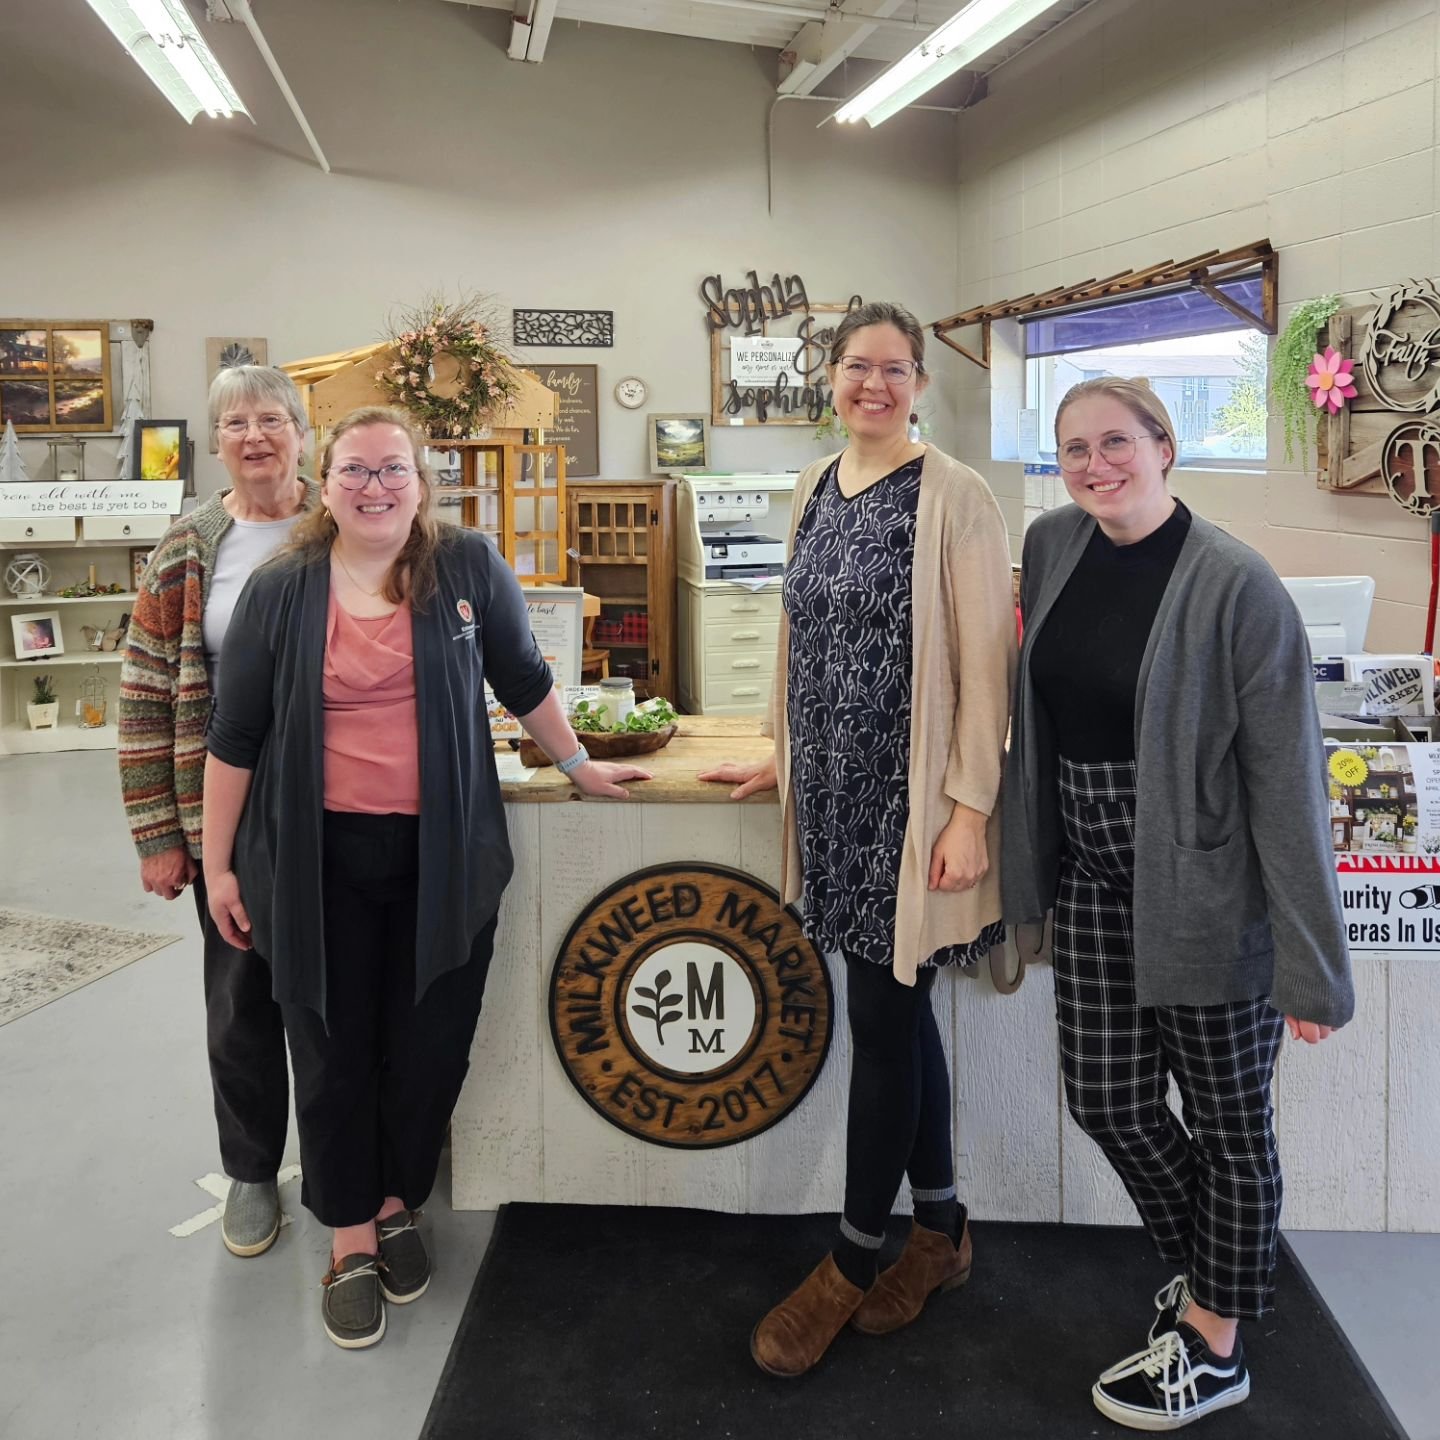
[830,426]
[1294,350]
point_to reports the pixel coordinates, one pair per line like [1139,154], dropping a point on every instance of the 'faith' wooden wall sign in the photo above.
[1386,441]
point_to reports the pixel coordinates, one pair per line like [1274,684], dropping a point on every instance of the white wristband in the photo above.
[574,762]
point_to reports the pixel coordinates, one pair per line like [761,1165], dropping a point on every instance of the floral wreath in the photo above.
[487,381]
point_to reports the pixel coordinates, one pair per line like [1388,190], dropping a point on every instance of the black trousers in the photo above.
[377,1079]
[1208,1190]
[245,1035]
[899,1117]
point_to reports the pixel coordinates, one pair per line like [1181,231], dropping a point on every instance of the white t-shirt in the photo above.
[245,545]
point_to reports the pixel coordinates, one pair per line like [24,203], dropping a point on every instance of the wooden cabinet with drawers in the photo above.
[622,542]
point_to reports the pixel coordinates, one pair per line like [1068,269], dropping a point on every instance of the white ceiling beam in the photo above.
[822,46]
[530,24]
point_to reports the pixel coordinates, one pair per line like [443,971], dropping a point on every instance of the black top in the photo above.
[270,719]
[1086,660]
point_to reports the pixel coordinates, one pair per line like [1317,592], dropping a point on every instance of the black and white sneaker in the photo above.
[1177,1380]
[1171,1302]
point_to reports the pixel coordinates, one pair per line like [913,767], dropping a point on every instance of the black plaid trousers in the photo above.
[1210,1198]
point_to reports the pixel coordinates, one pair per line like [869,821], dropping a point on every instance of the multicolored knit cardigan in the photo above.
[164,687]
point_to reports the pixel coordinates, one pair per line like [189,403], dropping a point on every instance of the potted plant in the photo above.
[44,710]
[1407,833]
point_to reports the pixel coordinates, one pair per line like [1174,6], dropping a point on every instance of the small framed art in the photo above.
[139,559]
[161,451]
[37,634]
[679,442]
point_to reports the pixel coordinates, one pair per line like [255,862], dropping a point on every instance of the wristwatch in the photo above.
[565,767]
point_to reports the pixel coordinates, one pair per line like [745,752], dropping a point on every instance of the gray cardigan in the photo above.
[1235,889]
[270,719]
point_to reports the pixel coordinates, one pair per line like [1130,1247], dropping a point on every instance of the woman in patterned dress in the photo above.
[891,700]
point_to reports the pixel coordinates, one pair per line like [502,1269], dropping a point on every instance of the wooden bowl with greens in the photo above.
[643,732]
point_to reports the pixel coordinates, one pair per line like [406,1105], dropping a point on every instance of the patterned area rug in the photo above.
[43,957]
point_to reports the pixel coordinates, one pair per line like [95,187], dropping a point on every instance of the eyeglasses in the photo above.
[267,424]
[893,372]
[1116,448]
[394,476]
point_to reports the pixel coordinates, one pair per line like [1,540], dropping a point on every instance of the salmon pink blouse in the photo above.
[372,752]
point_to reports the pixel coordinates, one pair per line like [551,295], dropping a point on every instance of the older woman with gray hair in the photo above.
[167,686]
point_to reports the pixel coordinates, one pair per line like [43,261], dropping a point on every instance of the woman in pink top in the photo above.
[355,836]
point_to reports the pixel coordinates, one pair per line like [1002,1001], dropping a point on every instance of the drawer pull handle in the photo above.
[745,609]
[744,664]
[29,531]
[125,531]
[745,635]
[745,690]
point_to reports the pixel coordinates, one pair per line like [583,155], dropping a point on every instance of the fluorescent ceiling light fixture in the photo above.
[963,38]
[163,41]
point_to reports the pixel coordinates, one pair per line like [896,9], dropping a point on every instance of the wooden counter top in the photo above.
[702,741]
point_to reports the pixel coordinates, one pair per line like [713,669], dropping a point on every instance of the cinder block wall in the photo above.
[1147,129]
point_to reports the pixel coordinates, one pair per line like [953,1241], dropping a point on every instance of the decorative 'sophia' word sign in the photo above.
[91,497]
[594,328]
[749,308]
[688,1008]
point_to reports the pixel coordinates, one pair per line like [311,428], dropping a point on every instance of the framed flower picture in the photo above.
[55,375]
[161,451]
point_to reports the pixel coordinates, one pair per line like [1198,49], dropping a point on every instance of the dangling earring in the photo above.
[913,433]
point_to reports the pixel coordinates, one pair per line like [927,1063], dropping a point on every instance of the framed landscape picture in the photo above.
[55,375]
[679,442]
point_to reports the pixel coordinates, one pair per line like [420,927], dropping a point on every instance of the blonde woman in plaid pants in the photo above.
[1165,796]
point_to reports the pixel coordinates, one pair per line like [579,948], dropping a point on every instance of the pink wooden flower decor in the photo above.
[1330,380]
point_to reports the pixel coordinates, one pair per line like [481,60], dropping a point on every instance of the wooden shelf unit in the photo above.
[623,539]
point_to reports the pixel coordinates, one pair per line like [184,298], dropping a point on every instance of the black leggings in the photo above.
[899,1121]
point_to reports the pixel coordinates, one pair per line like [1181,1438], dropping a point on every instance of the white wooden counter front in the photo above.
[1358,1116]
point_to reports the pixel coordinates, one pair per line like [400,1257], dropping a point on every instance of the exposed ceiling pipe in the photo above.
[240,10]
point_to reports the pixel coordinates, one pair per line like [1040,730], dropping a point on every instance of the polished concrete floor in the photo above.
[113,1328]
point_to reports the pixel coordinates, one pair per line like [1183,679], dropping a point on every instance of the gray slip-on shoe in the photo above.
[350,1305]
[404,1263]
[252,1217]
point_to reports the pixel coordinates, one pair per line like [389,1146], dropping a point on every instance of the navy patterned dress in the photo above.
[847,595]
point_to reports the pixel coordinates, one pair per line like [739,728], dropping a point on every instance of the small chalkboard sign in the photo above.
[577,426]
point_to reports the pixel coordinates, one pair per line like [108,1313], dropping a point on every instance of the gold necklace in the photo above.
[373,594]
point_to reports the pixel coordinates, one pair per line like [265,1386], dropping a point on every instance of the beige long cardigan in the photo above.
[962,676]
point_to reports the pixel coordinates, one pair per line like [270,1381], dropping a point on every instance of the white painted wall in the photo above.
[615,175]
[1154,129]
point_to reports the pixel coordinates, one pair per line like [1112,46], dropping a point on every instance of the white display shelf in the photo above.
[85,657]
[43,602]
[21,740]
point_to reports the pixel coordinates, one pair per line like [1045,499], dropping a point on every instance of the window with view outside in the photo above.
[1213,385]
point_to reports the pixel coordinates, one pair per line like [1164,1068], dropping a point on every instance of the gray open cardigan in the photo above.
[1235,889]
[270,719]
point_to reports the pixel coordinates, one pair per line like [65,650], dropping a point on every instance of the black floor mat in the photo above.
[591,1322]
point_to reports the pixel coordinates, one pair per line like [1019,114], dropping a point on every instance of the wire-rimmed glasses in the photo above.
[1116,448]
[893,372]
[238,426]
[353,476]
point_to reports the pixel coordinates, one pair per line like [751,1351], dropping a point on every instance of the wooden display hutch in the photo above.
[509,488]
[623,538]
[1398,800]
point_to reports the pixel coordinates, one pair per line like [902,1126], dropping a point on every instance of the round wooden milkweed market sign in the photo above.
[688,1008]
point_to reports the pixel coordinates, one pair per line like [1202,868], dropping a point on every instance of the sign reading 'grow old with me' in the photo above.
[24,501]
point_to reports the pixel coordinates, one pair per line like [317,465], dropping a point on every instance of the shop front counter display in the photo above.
[658,1032]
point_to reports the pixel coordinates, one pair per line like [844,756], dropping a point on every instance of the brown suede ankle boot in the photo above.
[798,1331]
[929,1262]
